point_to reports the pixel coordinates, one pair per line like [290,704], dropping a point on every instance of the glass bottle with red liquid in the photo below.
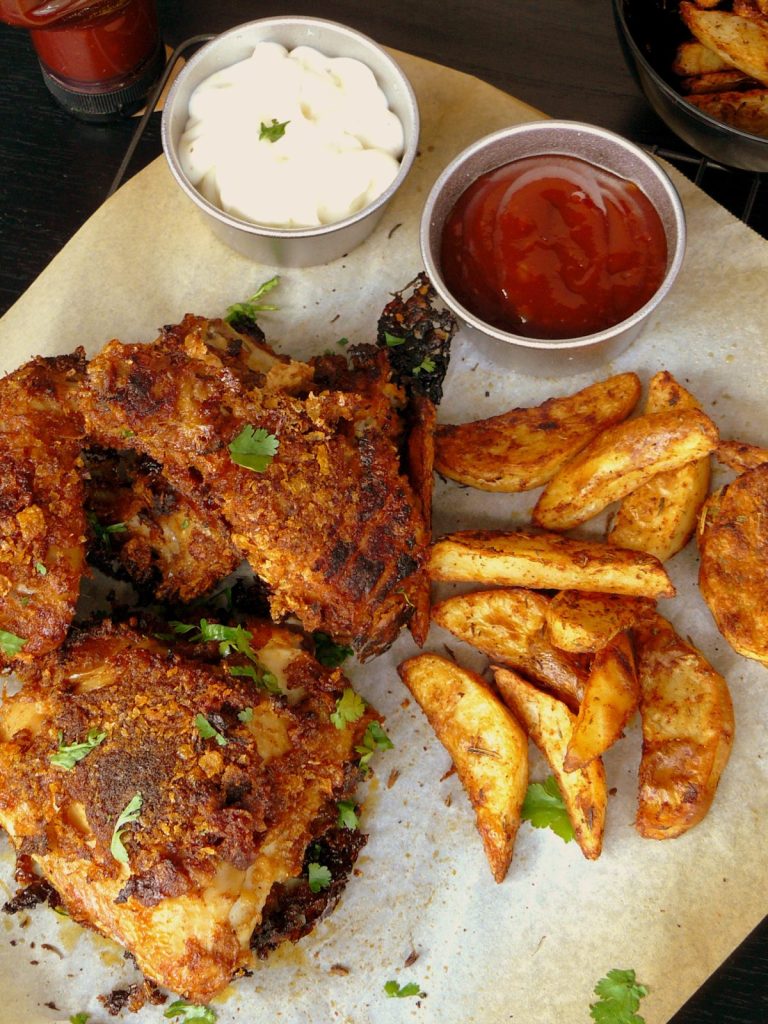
[99,58]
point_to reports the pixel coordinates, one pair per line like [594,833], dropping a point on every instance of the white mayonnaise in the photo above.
[339,151]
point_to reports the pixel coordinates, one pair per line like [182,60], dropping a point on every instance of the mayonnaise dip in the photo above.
[340,148]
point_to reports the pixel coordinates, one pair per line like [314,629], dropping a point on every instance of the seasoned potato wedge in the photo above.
[523,448]
[746,110]
[547,561]
[694,58]
[580,621]
[742,42]
[620,460]
[549,724]
[687,719]
[421,458]
[715,81]
[610,700]
[660,516]
[486,743]
[509,626]
[733,543]
[739,455]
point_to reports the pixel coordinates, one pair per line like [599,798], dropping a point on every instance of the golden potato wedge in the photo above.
[733,543]
[620,460]
[420,450]
[523,448]
[742,42]
[579,621]
[660,516]
[747,110]
[509,626]
[694,58]
[739,455]
[486,743]
[549,724]
[611,697]
[687,719]
[547,561]
[716,81]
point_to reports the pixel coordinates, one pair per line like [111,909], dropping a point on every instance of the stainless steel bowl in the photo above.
[294,247]
[570,138]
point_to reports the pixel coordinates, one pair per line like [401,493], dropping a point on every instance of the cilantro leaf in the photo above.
[273,131]
[620,997]
[395,991]
[10,644]
[102,533]
[329,653]
[246,715]
[247,310]
[129,814]
[79,1018]
[374,739]
[208,732]
[392,340]
[231,639]
[319,876]
[69,754]
[544,808]
[347,815]
[349,708]
[266,680]
[41,569]
[186,1011]
[427,365]
[253,448]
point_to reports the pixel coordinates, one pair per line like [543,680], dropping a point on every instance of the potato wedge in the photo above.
[486,743]
[733,543]
[739,455]
[523,448]
[420,451]
[620,460]
[747,111]
[547,561]
[611,697]
[549,724]
[660,516]
[579,621]
[716,81]
[509,626]
[742,42]
[687,719]
[694,58]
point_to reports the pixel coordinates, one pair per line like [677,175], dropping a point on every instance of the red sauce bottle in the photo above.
[553,247]
[99,58]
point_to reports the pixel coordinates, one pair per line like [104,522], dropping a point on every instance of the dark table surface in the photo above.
[560,56]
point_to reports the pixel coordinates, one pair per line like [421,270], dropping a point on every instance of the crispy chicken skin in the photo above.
[224,818]
[331,525]
[42,523]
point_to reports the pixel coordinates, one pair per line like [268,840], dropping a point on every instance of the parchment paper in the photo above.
[529,950]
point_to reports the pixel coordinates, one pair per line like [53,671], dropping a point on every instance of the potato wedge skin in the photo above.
[581,622]
[486,743]
[611,697]
[523,448]
[546,561]
[742,42]
[733,544]
[687,721]
[620,460]
[509,626]
[549,724]
[694,58]
[739,455]
[660,516]
[746,109]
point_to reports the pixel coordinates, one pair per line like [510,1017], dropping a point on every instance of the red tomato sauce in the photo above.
[553,247]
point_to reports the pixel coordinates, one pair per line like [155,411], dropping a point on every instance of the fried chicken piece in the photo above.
[42,523]
[195,797]
[331,524]
[166,543]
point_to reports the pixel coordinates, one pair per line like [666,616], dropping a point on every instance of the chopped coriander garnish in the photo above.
[329,653]
[231,639]
[395,991]
[252,306]
[127,432]
[319,876]
[192,1012]
[349,708]
[273,131]
[544,808]
[374,739]
[253,448]
[185,523]
[208,732]
[246,715]
[392,340]
[79,1018]
[620,997]
[10,644]
[347,815]
[342,342]
[41,569]
[104,533]
[69,754]
[128,816]
[266,680]
[61,910]
[427,365]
